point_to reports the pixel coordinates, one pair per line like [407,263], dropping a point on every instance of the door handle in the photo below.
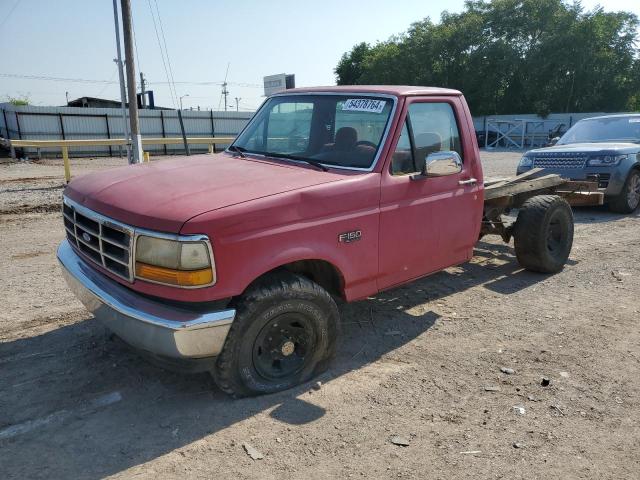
[471,181]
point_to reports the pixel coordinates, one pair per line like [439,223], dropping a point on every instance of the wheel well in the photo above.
[321,272]
[635,168]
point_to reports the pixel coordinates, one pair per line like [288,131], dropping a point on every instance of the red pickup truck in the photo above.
[233,262]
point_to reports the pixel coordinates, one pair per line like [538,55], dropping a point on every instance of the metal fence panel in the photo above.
[523,131]
[41,123]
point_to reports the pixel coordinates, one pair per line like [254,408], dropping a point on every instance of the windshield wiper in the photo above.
[299,159]
[239,150]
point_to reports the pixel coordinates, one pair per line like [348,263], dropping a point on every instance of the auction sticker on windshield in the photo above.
[364,105]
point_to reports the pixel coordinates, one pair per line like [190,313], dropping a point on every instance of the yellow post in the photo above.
[146,156]
[67,167]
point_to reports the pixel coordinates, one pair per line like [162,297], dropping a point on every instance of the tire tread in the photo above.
[619,204]
[278,284]
[529,238]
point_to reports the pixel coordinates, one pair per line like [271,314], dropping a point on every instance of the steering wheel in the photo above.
[366,143]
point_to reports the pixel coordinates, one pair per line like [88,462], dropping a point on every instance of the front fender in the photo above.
[356,262]
[253,238]
[620,173]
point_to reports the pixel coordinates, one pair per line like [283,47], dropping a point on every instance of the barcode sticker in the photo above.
[364,105]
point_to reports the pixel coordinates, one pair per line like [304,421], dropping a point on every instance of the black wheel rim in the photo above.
[284,346]
[556,235]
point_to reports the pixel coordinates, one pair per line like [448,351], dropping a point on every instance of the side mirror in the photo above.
[440,164]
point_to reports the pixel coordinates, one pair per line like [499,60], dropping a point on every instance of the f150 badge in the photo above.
[348,237]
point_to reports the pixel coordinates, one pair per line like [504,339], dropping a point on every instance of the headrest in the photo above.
[346,138]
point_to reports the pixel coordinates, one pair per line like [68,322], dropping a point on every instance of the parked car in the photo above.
[233,263]
[604,149]
[487,138]
[555,134]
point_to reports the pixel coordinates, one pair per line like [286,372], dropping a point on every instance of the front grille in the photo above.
[100,239]
[560,161]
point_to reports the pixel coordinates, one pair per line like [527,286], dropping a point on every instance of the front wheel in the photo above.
[629,198]
[543,233]
[284,334]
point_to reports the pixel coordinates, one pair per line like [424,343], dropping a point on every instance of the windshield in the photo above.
[612,129]
[339,130]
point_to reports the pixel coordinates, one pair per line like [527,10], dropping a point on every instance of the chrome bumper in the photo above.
[147,324]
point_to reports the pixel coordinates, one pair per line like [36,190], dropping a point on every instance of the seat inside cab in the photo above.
[346,142]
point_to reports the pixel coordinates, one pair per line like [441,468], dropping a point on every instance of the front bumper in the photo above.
[610,179]
[147,324]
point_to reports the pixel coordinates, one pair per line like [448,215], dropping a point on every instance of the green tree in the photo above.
[349,68]
[19,101]
[512,56]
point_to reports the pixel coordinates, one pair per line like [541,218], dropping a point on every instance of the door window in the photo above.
[432,128]
[402,162]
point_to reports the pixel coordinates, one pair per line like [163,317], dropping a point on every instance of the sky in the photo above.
[75,40]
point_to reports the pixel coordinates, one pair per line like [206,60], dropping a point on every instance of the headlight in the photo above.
[181,263]
[605,160]
[526,161]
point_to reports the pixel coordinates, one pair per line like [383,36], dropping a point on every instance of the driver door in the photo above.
[427,223]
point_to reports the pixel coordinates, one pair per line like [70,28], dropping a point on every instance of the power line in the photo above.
[9,14]
[107,85]
[166,50]
[99,81]
[53,79]
[216,82]
[164,64]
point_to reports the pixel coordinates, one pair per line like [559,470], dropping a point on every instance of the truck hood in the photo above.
[597,147]
[163,195]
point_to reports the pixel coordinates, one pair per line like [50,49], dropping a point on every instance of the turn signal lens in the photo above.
[181,278]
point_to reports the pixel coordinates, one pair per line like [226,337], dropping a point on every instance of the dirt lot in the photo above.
[420,362]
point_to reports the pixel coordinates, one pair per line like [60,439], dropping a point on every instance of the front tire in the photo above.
[284,334]
[629,198]
[543,233]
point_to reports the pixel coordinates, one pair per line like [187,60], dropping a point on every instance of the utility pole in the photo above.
[143,91]
[67,95]
[123,93]
[225,92]
[238,104]
[136,139]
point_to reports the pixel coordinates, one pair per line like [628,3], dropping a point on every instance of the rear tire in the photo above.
[284,334]
[543,233]
[629,197]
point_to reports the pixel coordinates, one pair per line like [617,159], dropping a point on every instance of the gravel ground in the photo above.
[419,365]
